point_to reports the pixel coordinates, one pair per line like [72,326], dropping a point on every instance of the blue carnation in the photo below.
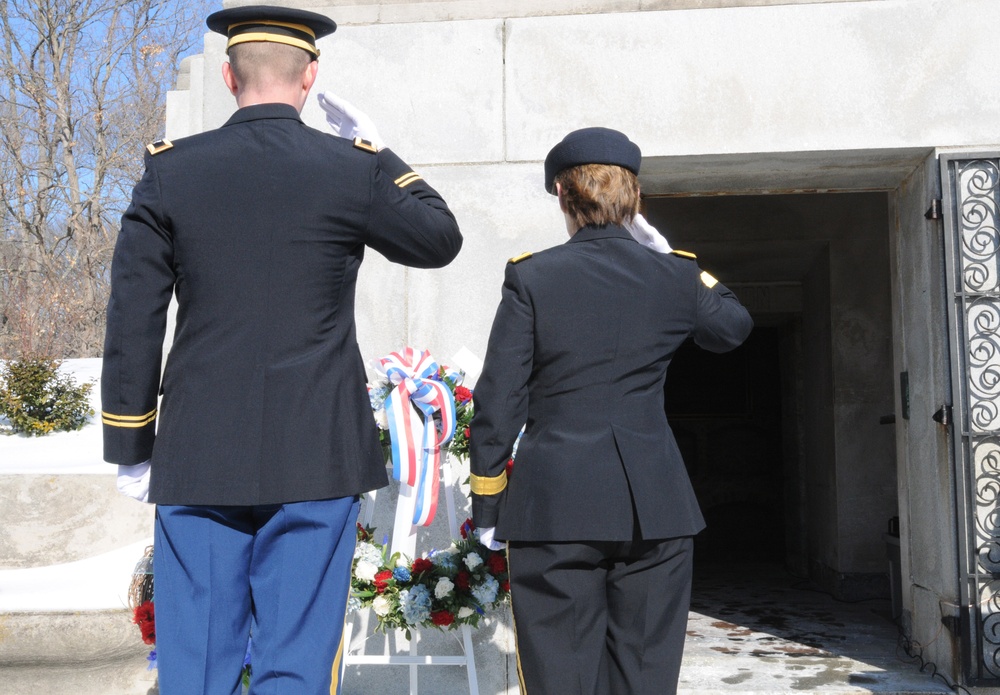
[401,574]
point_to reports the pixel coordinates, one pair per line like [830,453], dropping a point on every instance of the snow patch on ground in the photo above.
[78,452]
[95,583]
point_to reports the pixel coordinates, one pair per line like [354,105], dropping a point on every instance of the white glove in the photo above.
[347,121]
[133,481]
[486,538]
[646,234]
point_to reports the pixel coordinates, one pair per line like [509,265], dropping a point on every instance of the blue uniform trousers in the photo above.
[285,567]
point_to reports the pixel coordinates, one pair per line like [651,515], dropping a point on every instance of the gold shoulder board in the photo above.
[518,259]
[684,254]
[365,145]
[159,146]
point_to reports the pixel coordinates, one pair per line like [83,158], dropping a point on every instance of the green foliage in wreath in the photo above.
[36,399]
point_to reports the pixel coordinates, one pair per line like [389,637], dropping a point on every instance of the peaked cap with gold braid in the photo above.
[285,25]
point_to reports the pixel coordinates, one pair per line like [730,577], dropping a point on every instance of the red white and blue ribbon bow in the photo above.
[418,386]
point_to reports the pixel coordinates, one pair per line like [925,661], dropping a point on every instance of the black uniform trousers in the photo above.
[606,617]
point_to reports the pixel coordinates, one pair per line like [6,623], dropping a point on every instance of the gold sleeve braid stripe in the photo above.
[709,281]
[131,421]
[406,179]
[488,486]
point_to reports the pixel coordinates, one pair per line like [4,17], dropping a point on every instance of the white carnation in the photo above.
[472,561]
[443,587]
[381,605]
[465,612]
[365,570]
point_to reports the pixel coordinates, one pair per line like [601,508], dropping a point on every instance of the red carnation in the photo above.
[467,432]
[496,563]
[442,618]
[382,580]
[462,394]
[509,469]
[505,585]
[144,617]
[421,565]
[467,528]
[462,580]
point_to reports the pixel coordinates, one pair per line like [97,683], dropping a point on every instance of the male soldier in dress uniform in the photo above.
[598,510]
[264,437]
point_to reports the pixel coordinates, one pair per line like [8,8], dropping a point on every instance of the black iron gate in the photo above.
[971,207]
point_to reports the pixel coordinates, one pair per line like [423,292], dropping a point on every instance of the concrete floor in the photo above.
[762,632]
[753,631]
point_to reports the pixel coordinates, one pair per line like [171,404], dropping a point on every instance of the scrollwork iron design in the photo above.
[978,215]
[977,240]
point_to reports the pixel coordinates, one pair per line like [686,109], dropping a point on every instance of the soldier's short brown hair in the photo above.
[599,194]
[256,63]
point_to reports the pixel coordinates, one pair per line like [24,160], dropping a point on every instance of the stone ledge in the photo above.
[84,679]
[87,638]
[347,12]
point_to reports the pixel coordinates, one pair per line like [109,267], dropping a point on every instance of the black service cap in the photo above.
[285,25]
[591,146]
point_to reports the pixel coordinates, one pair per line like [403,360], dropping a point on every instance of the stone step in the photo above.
[77,653]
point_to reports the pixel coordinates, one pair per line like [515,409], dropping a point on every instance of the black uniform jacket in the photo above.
[260,227]
[578,354]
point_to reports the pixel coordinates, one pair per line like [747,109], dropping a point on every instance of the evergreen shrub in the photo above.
[36,399]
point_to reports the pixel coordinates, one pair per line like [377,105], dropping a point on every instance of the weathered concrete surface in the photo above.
[761,631]
[382,11]
[54,519]
[87,653]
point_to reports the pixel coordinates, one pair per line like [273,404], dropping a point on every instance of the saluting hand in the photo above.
[347,121]
[646,234]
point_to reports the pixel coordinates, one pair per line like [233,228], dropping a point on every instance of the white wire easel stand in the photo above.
[404,540]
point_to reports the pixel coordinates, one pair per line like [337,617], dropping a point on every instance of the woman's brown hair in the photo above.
[599,194]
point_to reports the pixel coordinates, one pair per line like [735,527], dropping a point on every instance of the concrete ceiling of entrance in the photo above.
[779,172]
[763,239]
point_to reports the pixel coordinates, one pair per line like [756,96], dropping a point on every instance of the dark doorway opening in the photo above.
[726,414]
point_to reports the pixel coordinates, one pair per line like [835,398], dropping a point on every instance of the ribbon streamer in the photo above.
[417,386]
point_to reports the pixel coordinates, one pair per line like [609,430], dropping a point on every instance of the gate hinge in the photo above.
[934,211]
[943,415]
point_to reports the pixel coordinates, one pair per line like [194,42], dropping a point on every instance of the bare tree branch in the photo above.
[82,89]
